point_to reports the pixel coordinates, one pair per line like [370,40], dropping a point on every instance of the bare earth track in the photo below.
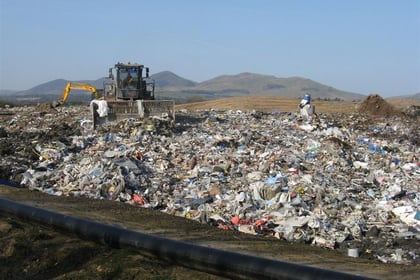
[33,251]
[268,104]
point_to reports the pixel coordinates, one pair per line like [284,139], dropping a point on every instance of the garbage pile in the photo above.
[343,182]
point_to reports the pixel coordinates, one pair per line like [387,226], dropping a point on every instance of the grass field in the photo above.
[269,104]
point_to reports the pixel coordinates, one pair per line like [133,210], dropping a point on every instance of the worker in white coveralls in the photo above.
[306,108]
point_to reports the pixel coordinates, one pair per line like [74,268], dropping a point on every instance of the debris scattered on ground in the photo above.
[344,182]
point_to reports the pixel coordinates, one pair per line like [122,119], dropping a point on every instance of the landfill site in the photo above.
[340,192]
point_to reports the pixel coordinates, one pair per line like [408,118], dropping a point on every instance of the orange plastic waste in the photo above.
[138,199]
[235,220]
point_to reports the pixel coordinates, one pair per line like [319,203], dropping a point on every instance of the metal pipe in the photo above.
[224,263]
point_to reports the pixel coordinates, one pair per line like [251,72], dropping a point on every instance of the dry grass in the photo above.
[268,104]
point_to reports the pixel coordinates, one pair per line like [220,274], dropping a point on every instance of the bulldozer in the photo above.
[129,92]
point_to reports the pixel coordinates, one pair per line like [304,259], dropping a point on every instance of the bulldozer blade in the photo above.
[104,112]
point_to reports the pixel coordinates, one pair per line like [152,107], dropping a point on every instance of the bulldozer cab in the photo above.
[132,82]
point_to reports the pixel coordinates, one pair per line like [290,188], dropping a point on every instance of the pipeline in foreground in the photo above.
[214,261]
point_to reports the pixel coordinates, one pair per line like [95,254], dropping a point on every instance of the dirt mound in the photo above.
[375,105]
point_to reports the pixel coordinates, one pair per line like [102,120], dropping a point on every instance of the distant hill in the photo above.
[46,88]
[413,96]
[250,84]
[172,86]
[7,92]
[257,84]
[50,91]
[167,79]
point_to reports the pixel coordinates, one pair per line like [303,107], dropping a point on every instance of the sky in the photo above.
[360,46]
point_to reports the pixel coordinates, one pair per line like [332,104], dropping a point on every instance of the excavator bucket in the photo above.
[105,112]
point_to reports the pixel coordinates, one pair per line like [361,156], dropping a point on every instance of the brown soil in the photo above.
[376,106]
[32,251]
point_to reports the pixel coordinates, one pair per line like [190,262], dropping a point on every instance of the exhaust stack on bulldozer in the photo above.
[129,93]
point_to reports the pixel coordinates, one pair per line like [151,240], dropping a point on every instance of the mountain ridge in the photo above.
[172,86]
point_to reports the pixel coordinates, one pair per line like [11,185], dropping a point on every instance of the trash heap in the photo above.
[343,182]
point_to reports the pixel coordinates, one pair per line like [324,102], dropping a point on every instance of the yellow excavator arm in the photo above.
[79,86]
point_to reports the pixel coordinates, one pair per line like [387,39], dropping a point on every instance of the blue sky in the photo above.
[362,46]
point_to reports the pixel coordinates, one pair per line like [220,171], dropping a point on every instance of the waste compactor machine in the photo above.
[129,92]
